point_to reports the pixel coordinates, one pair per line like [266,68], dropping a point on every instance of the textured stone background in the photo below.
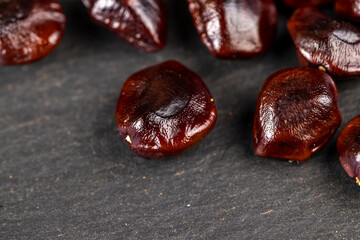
[65,173]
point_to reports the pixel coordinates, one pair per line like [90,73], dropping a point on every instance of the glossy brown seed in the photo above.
[348,9]
[348,147]
[233,29]
[296,114]
[29,30]
[324,41]
[142,23]
[306,3]
[164,110]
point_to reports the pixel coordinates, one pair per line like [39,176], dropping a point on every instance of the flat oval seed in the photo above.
[321,40]
[235,29]
[29,30]
[296,114]
[164,110]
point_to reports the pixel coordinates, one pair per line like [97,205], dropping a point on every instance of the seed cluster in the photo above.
[166,109]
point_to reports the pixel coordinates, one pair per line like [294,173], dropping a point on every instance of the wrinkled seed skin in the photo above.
[296,114]
[321,40]
[348,147]
[164,110]
[235,28]
[306,3]
[348,9]
[29,30]
[141,23]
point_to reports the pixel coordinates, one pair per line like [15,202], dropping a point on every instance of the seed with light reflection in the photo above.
[296,114]
[164,110]
[233,29]
[348,147]
[321,40]
[142,23]
[30,29]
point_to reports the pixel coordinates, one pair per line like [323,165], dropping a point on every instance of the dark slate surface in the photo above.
[65,173]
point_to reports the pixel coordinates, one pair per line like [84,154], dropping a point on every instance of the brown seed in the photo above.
[142,23]
[164,110]
[296,114]
[321,40]
[29,30]
[348,147]
[233,29]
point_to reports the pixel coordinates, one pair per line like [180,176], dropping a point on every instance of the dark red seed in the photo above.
[306,3]
[296,114]
[348,9]
[164,110]
[29,30]
[142,23]
[233,29]
[321,40]
[348,147]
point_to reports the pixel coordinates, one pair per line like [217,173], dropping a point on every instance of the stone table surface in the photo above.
[66,174]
